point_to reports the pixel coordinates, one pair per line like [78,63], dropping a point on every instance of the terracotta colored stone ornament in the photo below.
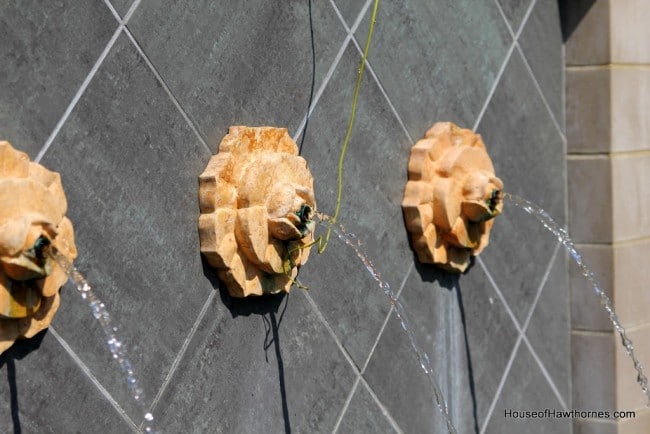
[257,201]
[32,217]
[451,196]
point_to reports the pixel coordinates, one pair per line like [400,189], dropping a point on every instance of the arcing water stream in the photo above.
[119,352]
[568,244]
[562,236]
[423,358]
[115,345]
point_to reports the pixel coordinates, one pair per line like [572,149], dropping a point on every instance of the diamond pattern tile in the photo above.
[47,51]
[242,63]
[129,161]
[516,122]
[526,390]
[129,165]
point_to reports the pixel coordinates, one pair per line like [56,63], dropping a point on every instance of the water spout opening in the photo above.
[493,201]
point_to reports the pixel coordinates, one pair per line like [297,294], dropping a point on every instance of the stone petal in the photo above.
[259,178]
[13,164]
[452,164]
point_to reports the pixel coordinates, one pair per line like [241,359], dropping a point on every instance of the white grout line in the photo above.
[501,384]
[539,291]
[113,11]
[128,14]
[514,351]
[371,70]
[549,380]
[330,71]
[505,62]
[167,90]
[528,318]
[357,21]
[530,70]
[327,325]
[123,22]
[355,368]
[80,92]
[181,352]
[346,405]
[493,89]
[385,323]
[524,20]
[93,379]
[372,349]
[311,301]
[326,80]
[381,406]
[522,335]
[541,93]
[505,18]
[383,92]
[499,294]
[131,11]
[321,88]
[541,286]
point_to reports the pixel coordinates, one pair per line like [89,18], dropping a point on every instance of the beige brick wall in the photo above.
[608,143]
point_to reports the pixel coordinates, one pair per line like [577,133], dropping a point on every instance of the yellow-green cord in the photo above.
[323,245]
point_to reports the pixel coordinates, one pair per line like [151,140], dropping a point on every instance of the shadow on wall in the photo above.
[571,13]
[18,351]
[267,307]
[451,282]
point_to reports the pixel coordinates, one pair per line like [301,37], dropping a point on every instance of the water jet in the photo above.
[37,249]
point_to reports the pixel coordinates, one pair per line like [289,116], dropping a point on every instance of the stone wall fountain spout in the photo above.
[257,202]
[32,219]
[451,196]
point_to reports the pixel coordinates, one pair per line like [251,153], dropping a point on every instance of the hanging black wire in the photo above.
[313,79]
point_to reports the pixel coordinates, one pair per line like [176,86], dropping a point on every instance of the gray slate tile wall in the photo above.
[128,100]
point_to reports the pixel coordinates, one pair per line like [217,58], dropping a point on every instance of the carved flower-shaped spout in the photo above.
[257,202]
[32,217]
[451,196]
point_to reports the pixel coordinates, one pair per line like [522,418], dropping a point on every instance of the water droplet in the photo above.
[562,235]
[116,347]
[421,356]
